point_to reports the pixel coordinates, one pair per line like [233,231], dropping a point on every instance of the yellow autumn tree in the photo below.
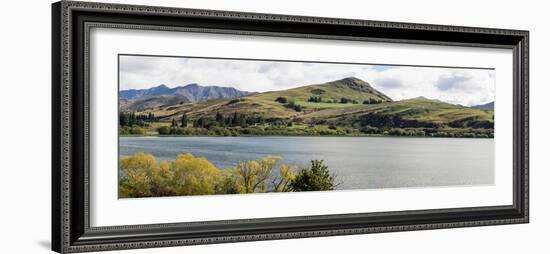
[194,176]
[253,176]
[141,175]
[160,180]
[282,181]
[229,182]
[135,175]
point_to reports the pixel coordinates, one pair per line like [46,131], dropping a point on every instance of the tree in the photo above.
[294,106]
[163,130]
[282,182]
[123,119]
[315,99]
[344,100]
[134,177]
[253,176]
[184,120]
[235,119]
[229,121]
[315,178]
[201,122]
[142,175]
[150,117]
[174,124]
[241,120]
[219,118]
[194,175]
[281,99]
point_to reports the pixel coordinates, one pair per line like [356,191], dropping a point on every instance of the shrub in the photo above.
[315,178]
[372,101]
[293,105]
[281,99]
[163,130]
[141,175]
[194,176]
[344,100]
[136,175]
[370,130]
[235,101]
[125,130]
[137,131]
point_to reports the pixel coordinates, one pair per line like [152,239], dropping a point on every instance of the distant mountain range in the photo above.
[487,106]
[348,102]
[142,99]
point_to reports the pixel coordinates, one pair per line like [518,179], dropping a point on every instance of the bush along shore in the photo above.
[142,175]
[242,125]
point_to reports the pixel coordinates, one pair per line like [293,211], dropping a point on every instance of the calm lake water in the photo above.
[360,162]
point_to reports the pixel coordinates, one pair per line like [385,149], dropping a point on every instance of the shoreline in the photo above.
[332,136]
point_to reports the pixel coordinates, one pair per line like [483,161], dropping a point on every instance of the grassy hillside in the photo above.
[266,104]
[344,107]
[419,109]
[351,88]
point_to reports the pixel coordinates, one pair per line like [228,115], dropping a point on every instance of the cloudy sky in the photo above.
[458,86]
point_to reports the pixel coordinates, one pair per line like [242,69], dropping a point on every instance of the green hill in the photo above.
[267,106]
[352,89]
[416,113]
[344,107]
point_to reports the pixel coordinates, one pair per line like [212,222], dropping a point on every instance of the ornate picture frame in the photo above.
[71,24]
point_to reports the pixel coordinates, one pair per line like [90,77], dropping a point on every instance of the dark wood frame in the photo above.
[71,22]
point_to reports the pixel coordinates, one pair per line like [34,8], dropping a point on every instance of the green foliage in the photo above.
[372,101]
[321,116]
[315,99]
[315,178]
[184,121]
[163,130]
[220,119]
[293,105]
[281,99]
[132,119]
[344,100]
[135,130]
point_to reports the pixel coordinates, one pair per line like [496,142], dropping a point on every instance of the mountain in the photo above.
[141,99]
[266,104]
[195,92]
[419,112]
[351,88]
[133,94]
[487,106]
[149,102]
[350,105]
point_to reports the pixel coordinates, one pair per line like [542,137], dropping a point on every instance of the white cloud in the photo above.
[459,86]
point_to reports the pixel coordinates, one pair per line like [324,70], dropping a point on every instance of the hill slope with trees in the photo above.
[346,107]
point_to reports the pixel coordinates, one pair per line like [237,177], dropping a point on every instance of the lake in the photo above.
[359,162]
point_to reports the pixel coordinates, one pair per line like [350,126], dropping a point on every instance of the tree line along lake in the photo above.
[359,162]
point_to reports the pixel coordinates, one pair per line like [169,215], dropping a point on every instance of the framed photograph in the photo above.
[181,126]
